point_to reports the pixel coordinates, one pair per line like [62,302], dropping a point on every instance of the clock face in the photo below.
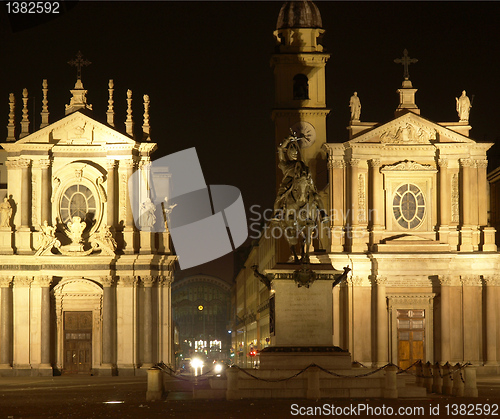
[307,131]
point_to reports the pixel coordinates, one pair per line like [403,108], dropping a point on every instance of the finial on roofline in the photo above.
[146,129]
[110,113]
[10,126]
[45,103]
[129,124]
[25,122]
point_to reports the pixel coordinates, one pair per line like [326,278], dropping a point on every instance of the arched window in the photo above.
[408,206]
[300,87]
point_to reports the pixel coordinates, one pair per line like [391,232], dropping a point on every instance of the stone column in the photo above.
[353,184]
[147,360]
[482,181]
[25,164]
[45,282]
[110,185]
[129,235]
[164,284]
[491,320]
[444,192]
[5,322]
[22,338]
[46,188]
[382,323]
[107,324]
[445,282]
[336,169]
[465,199]
[376,213]
[126,315]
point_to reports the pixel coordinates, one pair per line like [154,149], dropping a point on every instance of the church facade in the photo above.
[83,290]
[408,203]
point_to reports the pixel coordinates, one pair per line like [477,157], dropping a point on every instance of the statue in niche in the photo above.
[5,213]
[355,105]
[148,217]
[47,239]
[463,107]
[298,208]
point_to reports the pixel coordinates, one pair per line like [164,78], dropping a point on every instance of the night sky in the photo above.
[205,66]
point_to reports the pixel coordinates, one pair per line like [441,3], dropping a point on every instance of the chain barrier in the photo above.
[163,367]
[168,370]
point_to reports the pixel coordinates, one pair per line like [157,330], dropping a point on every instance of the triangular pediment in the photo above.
[75,129]
[410,129]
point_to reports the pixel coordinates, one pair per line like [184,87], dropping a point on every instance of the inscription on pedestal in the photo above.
[303,316]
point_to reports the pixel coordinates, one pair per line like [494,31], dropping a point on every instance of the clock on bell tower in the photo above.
[299,74]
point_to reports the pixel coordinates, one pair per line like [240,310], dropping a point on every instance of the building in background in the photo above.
[201,311]
[408,201]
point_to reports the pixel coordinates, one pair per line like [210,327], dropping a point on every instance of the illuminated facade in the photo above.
[408,201]
[82,290]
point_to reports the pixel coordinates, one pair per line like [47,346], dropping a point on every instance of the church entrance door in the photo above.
[411,334]
[77,342]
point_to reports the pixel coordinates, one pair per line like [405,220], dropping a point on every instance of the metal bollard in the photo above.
[447,380]
[232,392]
[470,381]
[437,380]
[155,385]
[391,383]
[458,385]
[420,373]
[428,376]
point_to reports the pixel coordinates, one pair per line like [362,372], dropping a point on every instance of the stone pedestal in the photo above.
[301,319]
[147,240]
[24,241]
[6,241]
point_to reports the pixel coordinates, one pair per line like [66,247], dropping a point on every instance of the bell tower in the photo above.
[299,74]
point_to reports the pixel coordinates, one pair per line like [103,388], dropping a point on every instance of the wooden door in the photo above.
[411,337]
[77,342]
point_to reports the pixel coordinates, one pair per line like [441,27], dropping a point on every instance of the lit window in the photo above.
[77,201]
[408,206]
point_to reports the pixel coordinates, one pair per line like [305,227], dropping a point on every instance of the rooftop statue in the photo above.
[463,107]
[355,105]
[298,208]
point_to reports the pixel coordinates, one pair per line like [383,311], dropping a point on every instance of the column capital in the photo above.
[466,162]
[379,280]
[111,164]
[482,164]
[24,163]
[375,163]
[443,162]
[445,280]
[107,281]
[44,164]
[165,281]
[148,280]
[5,281]
[335,163]
[127,281]
[43,280]
[12,164]
[471,280]
[354,162]
[491,280]
[23,281]
[128,163]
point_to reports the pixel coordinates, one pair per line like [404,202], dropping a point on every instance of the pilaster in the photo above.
[5,323]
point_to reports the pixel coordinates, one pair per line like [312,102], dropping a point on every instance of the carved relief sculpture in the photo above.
[47,239]
[455,213]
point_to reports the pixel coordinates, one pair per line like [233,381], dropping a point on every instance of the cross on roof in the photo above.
[79,62]
[406,61]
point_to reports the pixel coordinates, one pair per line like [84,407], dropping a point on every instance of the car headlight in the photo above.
[218,368]
[196,363]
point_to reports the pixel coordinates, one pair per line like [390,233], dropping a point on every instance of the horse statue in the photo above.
[301,212]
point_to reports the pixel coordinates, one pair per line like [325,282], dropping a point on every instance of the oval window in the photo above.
[77,201]
[408,206]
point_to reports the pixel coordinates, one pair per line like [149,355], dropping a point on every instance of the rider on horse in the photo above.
[293,167]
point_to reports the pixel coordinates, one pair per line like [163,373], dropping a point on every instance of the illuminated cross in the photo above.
[79,62]
[406,61]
